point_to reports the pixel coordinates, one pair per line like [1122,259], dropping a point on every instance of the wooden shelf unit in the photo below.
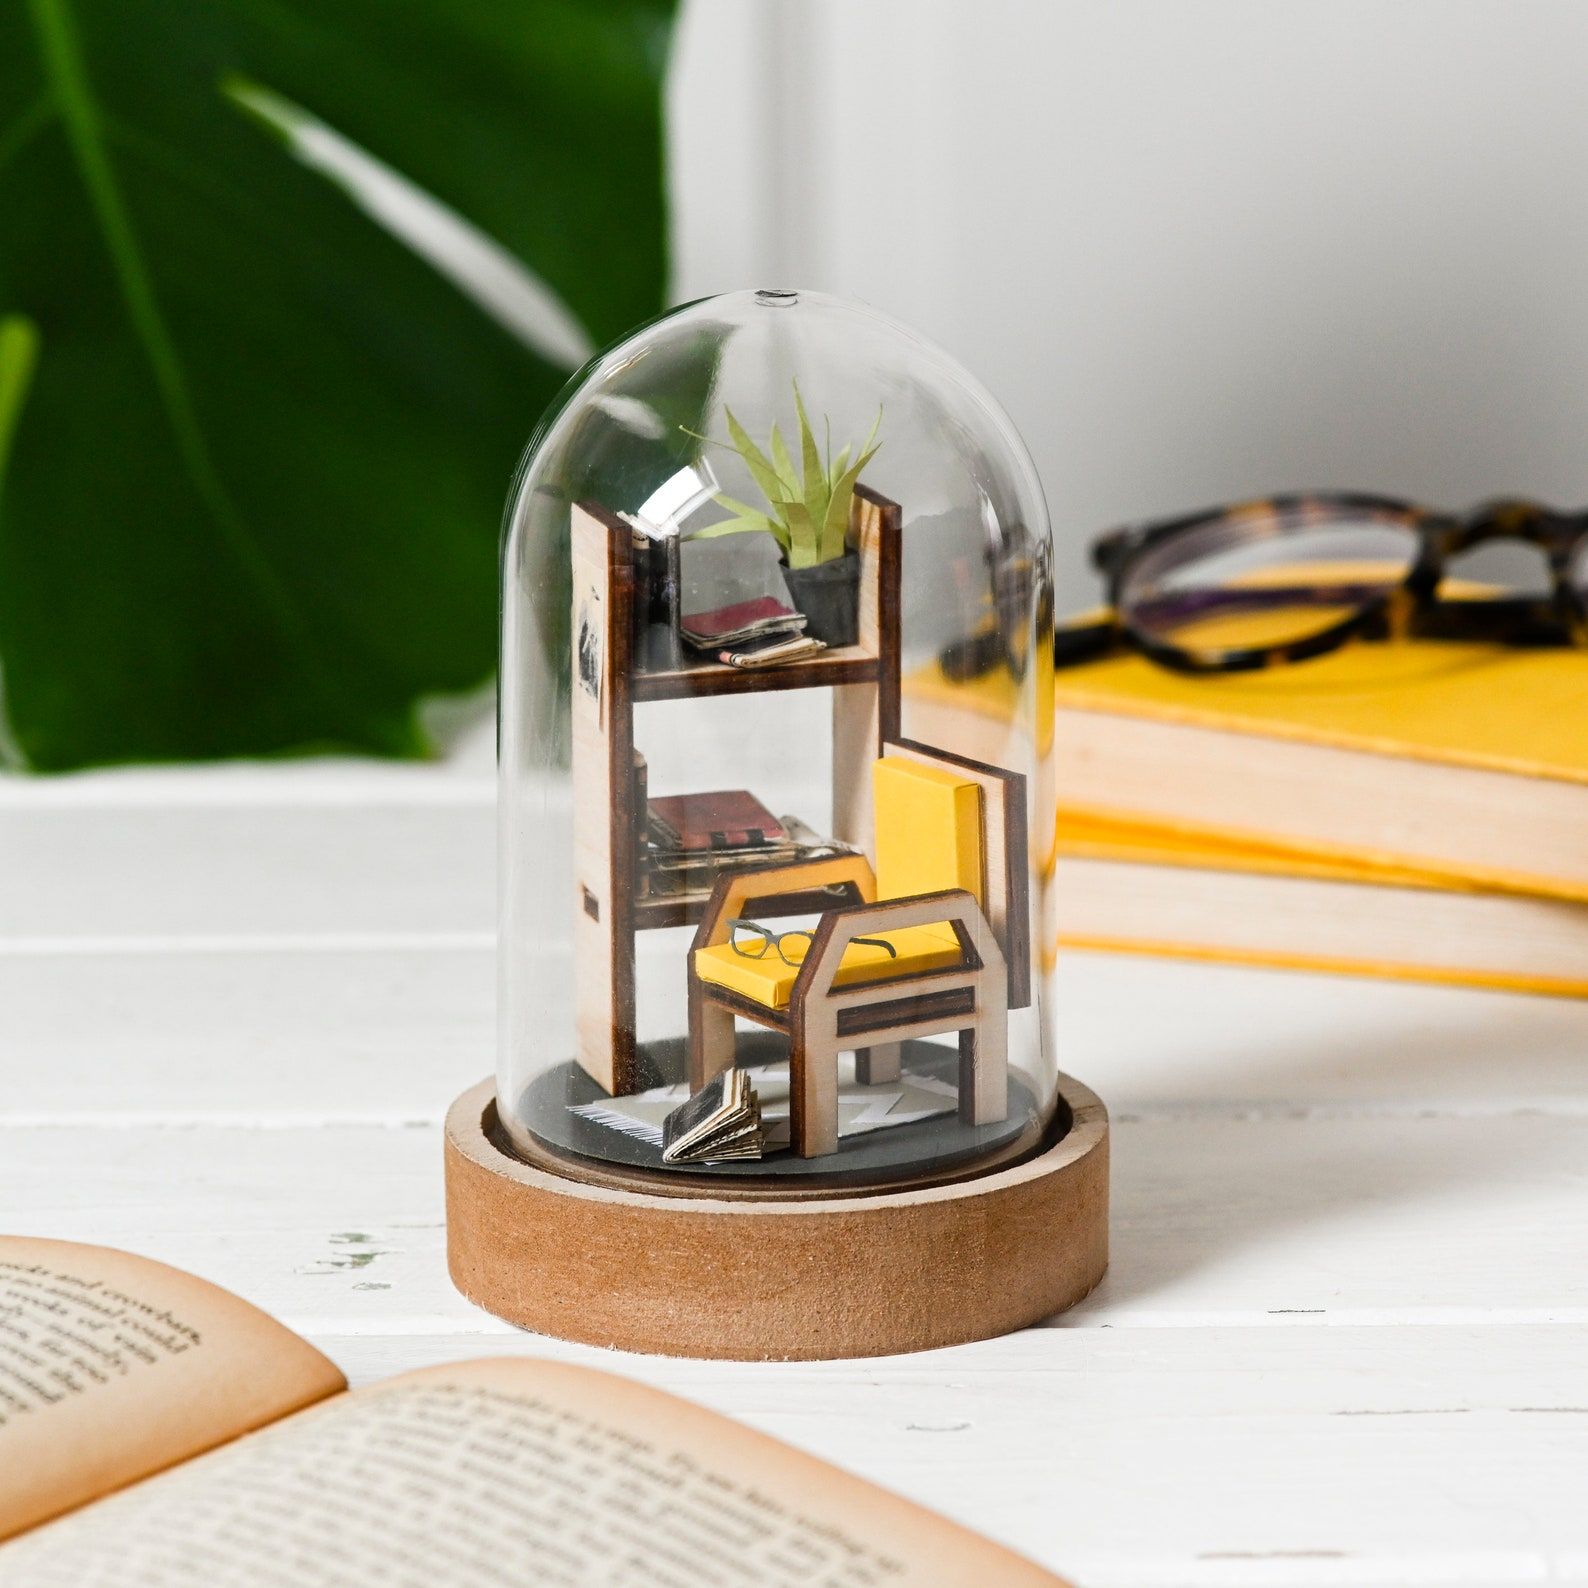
[850,664]
[608,816]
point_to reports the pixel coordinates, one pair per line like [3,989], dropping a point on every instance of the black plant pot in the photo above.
[829,596]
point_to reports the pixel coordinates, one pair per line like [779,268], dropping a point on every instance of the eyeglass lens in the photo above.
[753,941]
[1269,574]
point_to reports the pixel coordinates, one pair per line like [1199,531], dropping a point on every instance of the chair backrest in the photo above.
[928,827]
[946,821]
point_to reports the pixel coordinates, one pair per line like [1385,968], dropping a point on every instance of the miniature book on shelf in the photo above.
[685,871]
[734,597]
[723,819]
[769,651]
[155,1429]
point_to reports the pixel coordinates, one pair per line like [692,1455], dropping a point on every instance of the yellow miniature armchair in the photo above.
[935,941]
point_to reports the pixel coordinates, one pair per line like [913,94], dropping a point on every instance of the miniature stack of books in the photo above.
[721,1122]
[692,839]
[734,603]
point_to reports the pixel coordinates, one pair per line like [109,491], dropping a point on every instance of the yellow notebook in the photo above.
[1127,888]
[1088,835]
[1466,762]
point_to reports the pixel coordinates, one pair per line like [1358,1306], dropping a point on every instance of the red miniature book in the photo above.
[721,819]
[741,619]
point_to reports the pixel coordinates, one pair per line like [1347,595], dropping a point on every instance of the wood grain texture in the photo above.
[1342,1337]
[1385,1457]
[864,715]
[844,665]
[770,1281]
[1314,1222]
[606,823]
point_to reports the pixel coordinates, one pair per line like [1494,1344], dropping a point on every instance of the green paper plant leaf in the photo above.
[283,289]
[755,460]
[842,483]
[784,463]
[809,515]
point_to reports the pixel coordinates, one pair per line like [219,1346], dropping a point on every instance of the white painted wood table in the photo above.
[1344,1339]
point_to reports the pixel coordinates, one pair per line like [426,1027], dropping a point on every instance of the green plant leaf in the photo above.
[19,353]
[747,517]
[816,492]
[783,463]
[835,527]
[737,508]
[803,548]
[758,523]
[755,460]
[303,278]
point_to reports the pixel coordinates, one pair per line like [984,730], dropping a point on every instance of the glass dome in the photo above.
[777,804]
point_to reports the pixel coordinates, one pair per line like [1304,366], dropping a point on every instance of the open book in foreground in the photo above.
[157,1430]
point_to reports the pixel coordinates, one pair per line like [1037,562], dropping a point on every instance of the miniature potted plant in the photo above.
[807,514]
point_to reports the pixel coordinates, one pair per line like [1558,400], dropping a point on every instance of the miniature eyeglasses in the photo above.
[753,940]
[1292,577]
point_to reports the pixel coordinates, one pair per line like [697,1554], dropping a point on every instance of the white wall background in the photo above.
[1200,250]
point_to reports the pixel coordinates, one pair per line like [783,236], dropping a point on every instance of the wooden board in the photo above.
[1343,1339]
[609,677]
[606,822]
[869,1275]
[864,715]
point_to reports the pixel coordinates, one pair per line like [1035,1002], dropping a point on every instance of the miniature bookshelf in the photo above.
[610,679]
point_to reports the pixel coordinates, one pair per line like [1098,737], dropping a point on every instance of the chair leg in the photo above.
[984,1070]
[878,1063]
[711,1043]
[813,1098]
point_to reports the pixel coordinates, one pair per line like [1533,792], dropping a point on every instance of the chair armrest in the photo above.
[731,892]
[840,926]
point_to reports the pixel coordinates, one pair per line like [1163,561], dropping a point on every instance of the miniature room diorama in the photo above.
[775,875]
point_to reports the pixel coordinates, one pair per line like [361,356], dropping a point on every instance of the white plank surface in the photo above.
[1205,1456]
[381,1027]
[92,873]
[1245,1221]
[1344,1339]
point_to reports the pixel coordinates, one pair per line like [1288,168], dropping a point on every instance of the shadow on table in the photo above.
[1355,1147]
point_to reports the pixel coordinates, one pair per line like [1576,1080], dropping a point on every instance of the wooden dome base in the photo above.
[868,1274]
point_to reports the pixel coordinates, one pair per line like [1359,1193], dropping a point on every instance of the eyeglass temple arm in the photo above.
[1086,641]
[1113,545]
[877,942]
[1506,620]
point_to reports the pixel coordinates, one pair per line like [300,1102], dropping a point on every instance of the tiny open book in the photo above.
[721,1121]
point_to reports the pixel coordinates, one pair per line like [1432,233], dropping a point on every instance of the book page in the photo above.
[113,1367]
[497,1474]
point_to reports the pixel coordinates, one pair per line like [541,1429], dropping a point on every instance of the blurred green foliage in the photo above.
[254,437]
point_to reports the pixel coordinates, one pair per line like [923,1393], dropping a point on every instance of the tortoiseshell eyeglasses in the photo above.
[1293,577]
